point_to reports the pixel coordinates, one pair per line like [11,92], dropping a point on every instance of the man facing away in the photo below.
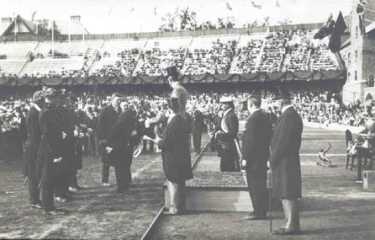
[175,145]
[285,163]
[255,151]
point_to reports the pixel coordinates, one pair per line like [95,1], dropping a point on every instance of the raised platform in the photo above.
[212,190]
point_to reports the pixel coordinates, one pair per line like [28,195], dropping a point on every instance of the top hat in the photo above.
[173,72]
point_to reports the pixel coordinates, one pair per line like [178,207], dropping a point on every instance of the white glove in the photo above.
[108,149]
[134,133]
[64,135]
[243,163]
[56,160]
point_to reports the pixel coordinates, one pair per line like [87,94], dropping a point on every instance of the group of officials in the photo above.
[265,144]
[53,154]
[53,150]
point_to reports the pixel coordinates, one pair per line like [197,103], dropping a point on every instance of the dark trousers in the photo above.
[123,176]
[33,184]
[257,185]
[361,161]
[47,188]
[228,160]
[105,171]
[197,141]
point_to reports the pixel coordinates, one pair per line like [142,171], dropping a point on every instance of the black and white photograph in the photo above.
[187,119]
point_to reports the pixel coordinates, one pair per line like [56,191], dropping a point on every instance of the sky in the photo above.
[120,16]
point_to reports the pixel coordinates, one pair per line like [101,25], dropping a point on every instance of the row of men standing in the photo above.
[262,143]
[52,152]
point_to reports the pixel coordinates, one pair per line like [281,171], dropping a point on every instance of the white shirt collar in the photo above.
[286,107]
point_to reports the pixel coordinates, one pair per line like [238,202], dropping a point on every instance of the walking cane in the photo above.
[269,186]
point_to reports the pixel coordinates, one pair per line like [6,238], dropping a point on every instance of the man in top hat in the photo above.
[32,146]
[178,91]
[175,145]
[105,123]
[285,163]
[255,151]
[227,135]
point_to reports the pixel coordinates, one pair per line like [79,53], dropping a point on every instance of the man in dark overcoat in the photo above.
[105,123]
[69,161]
[32,146]
[285,163]
[50,152]
[120,147]
[255,152]
[226,137]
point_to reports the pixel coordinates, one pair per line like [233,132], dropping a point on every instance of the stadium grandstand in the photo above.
[67,54]
[284,49]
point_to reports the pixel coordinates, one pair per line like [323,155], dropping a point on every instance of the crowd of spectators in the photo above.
[153,62]
[123,64]
[214,60]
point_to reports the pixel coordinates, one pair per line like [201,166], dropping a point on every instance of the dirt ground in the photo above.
[333,205]
[96,212]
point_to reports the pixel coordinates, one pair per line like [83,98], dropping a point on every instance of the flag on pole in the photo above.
[33,16]
[326,29]
[255,5]
[229,7]
[339,29]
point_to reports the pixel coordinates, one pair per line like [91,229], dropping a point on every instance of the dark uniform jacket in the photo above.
[51,125]
[105,123]
[120,138]
[198,123]
[285,161]
[229,120]
[256,141]
[175,147]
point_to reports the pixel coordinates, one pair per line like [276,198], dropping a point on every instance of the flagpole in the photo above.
[53,38]
[15,28]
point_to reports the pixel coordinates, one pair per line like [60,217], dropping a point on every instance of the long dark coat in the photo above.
[176,149]
[50,147]
[120,139]
[104,125]
[285,160]
[226,147]
[70,162]
[32,141]
[256,150]
[256,142]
